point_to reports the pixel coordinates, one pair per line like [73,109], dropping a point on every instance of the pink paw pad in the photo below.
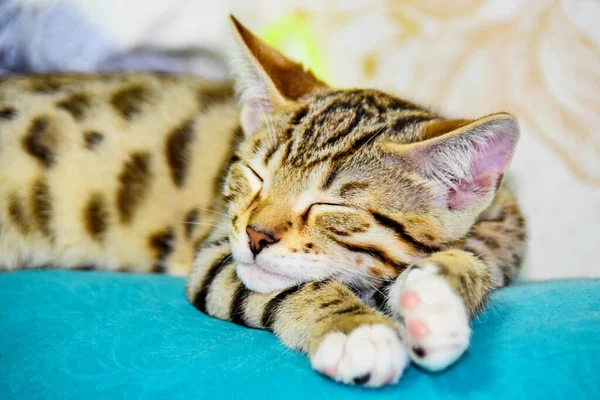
[409,300]
[331,370]
[417,329]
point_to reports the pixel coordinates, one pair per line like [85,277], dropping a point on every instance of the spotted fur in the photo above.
[96,170]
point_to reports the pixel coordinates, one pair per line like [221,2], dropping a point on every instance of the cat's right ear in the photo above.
[267,79]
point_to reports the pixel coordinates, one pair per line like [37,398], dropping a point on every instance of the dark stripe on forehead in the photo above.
[342,156]
[342,134]
[401,233]
[200,299]
[284,138]
[270,152]
[318,136]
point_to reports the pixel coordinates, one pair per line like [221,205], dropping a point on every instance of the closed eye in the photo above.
[306,213]
[253,172]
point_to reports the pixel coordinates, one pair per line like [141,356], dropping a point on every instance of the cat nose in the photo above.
[259,239]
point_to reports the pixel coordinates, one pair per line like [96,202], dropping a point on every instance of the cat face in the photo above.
[351,184]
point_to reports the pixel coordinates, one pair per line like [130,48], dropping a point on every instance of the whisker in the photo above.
[224,227]
[360,148]
[213,211]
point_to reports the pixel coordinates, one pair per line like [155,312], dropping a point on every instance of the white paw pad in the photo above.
[371,355]
[436,320]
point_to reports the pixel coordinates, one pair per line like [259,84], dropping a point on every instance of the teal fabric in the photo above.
[97,335]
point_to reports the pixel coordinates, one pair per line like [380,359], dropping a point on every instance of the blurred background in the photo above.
[539,59]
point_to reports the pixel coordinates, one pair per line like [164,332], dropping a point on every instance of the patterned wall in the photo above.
[539,59]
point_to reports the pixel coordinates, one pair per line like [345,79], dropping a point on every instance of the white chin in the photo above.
[263,281]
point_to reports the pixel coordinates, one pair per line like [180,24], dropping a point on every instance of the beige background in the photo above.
[538,59]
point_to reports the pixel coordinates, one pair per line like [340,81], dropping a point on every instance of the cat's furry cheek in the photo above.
[240,251]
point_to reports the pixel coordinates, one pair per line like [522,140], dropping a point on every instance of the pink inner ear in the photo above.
[487,170]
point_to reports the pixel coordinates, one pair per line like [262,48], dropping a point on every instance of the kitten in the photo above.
[360,228]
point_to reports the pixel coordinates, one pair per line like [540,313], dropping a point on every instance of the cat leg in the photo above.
[345,339]
[439,295]
[436,298]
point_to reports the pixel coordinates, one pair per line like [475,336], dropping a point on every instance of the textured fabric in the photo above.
[61,35]
[90,334]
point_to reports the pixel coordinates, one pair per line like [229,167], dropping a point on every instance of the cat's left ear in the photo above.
[268,79]
[467,164]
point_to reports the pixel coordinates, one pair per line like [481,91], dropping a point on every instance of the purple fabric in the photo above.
[58,37]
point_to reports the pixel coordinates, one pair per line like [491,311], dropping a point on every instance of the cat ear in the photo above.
[467,163]
[267,78]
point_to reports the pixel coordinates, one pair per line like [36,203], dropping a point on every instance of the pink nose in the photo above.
[260,239]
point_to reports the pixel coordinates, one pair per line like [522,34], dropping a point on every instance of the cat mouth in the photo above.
[262,280]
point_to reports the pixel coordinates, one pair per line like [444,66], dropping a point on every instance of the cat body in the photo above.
[117,172]
[360,228]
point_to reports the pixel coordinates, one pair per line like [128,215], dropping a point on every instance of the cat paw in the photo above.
[371,355]
[436,320]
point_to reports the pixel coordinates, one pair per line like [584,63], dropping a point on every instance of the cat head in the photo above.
[353,184]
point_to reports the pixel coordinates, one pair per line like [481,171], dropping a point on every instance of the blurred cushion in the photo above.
[92,334]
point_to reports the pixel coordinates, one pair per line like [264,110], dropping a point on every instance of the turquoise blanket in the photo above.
[97,335]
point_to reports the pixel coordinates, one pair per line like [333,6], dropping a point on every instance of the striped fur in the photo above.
[349,190]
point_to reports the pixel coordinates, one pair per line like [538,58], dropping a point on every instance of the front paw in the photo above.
[371,355]
[436,320]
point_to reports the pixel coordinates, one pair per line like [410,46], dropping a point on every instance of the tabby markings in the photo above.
[268,317]
[236,310]
[209,97]
[162,243]
[96,216]
[403,122]
[41,141]
[92,139]
[350,188]
[135,184]
[16,213]
[178,151]
[200,299]
[129,101]
[372,251]
[8,113]
[75,105]
[42,206]
[401,233]
[191,220]
[47,86]
[236,138]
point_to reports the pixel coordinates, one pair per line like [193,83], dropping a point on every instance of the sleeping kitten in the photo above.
[360,228]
